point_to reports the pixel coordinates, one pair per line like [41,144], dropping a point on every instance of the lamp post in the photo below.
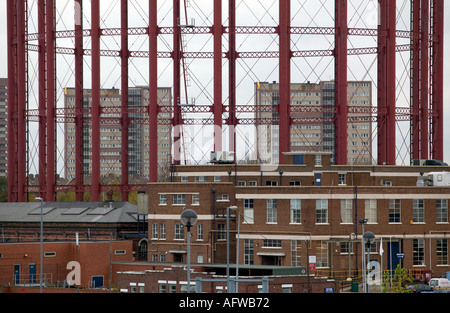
[42,244]
[228,244]
[369,238]
[237,253]
[188,219]
[363,221]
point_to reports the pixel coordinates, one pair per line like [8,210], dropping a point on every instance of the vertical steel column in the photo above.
[415,79]
[124,86]
[79,99]
[437,88]
[420,62]
[285,78]
[391,81]
[232,75]
[387,83]
[51,99]
[21,103]
[12,100]
[42,100]
[218,104]
[95,102]
[382,101]
[340,58]
[424,76]
[176,82]
[153,89]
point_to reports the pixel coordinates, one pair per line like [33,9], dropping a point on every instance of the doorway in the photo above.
[32,273]
[392,260]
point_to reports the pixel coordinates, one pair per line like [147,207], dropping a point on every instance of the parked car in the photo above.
[435,163]
[440,283]
[420,288]
[441,291]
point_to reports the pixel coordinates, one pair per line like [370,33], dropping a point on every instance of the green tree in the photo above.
[3,189]
[401,280]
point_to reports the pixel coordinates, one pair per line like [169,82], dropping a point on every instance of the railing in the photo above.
[346,278]
[32,279]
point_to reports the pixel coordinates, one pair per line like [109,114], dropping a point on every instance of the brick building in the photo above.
[106,232]
[305,213]
[20,262]
[172,279]
[91,220]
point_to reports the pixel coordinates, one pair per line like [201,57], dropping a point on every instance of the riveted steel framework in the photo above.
[425,112]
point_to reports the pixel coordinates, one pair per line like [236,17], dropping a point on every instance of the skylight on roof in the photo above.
[37,211]
[75,211]
[101,211]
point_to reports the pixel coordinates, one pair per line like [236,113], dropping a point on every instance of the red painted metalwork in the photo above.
[232,75]
[420,63]
[124,90]
[415,78]
[95,101]
[239,55]
[425,113]
[340,56]
[218,103]
[79,99]
[42,99]
[177,82]
[424,75]
[153,90]
[387,83]
[51,99]
[285,79]
[12,103]
[437,88]
[21,102]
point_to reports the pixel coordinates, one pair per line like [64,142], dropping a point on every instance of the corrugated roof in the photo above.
[69,212]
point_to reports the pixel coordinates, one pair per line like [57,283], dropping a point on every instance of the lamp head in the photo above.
[188,218]
[369,237]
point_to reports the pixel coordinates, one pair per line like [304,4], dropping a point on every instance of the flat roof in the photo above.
[69,212]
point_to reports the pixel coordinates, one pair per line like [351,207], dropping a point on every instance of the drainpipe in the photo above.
[213,246]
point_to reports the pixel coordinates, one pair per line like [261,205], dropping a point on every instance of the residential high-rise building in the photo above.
[312,108]
[111,134]
[3,126]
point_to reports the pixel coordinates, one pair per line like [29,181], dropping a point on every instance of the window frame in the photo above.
[321,211]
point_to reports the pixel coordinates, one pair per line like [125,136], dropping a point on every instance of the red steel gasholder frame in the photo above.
[425,113]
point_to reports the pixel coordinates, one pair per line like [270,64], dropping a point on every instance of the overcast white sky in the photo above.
[249,13]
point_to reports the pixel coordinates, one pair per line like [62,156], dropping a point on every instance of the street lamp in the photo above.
[188,219]
[363,221]
[369,238]
[42,243]
[228,244]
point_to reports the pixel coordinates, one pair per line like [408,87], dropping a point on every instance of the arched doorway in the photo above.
[143,250]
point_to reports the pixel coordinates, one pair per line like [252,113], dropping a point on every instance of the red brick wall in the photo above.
[93,257]
[151,278]
[367,179]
